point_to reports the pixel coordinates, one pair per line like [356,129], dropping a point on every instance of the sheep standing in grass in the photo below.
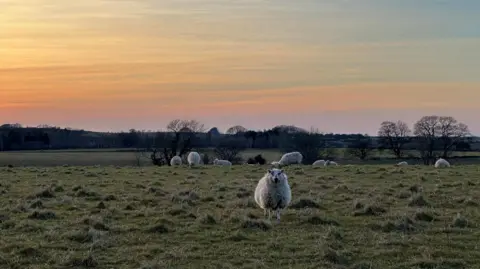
[330,163]
[273,192]
[222,162]
[291,158]
[440,163]
[402,164]
[176,160]
[193,158]
[319,162]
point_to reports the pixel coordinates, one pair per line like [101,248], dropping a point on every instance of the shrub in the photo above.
[260,160]
[206,158]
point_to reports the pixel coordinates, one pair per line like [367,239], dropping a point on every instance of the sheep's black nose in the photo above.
[276,180]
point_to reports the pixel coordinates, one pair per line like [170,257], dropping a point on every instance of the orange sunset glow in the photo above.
[341,66]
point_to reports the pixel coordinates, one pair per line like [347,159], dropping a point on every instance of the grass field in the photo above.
[160,217]
[117,157]
[127,157]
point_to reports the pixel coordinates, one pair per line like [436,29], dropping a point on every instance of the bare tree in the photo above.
[139,154]
[328,153]
[394,136]
[177,141]
[229,150]
[236,130]
[251,135]
[361,148]
[269,136]
[309,144]
[185,126]
[440,132]
[451,132]
[425,131]
[11,126]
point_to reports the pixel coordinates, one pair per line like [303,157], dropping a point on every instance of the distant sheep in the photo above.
[222,162]
[273,192]
[330,163]
[440,163]
[193,158]
[291,158]
[176,160]
[401,164]
[319,162]
[275,163]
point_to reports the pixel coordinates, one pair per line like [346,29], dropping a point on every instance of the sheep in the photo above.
[275,163]
[294,157]
[328,163]
[176,160]
[319,162]
[401,164]
[193,158]
[222,162]
[273,192]
[440,163]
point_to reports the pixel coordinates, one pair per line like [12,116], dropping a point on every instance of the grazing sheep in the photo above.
[273,192]
[193,158]
[176,160]
[329,163]
[319,162]
[275,163]
[291,158]
[222,162]
[401,164]
[441,163]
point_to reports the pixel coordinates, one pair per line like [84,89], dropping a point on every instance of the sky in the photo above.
[341,66]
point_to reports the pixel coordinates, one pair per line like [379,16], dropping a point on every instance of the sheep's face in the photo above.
[276,175]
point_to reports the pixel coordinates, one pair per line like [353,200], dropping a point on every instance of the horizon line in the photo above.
[47,126]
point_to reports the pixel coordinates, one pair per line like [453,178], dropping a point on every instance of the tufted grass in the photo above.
[341,217]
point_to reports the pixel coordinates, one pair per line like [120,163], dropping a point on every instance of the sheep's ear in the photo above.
[281,171]
[270,171]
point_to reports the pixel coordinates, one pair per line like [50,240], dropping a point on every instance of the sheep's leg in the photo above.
[277,213]
[265,213]
[269,215]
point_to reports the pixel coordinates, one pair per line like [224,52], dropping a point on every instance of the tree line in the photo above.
[431,137]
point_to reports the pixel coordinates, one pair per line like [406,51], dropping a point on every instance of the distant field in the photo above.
[127,157]
[162,217]
[119,157]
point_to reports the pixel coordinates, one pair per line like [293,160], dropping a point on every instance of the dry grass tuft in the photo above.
[418,200]
[370,210]
[42,215]
[460,221]
[317,220]
[304,203]
[257,224]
